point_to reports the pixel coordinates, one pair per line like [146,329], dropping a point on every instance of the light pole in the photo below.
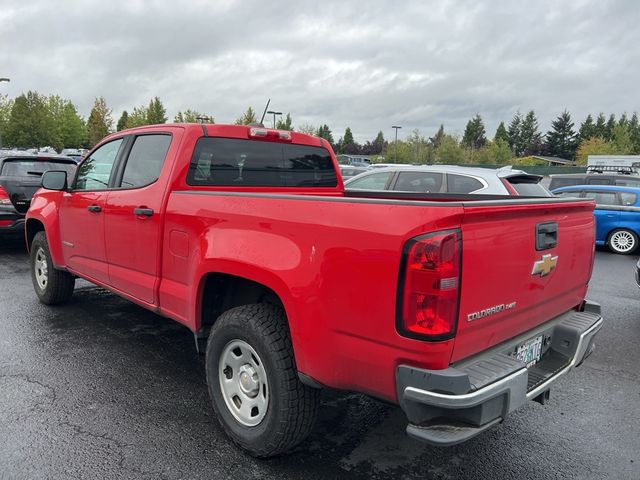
[396,128]
[3,79]
[271,112]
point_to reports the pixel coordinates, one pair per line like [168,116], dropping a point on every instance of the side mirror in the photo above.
[54,180]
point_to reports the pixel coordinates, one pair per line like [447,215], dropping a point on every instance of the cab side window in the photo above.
[95,171]
[145,160]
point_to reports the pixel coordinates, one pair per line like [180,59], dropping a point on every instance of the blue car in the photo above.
[617,214]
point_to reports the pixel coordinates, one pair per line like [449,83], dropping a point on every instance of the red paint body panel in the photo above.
[333,261]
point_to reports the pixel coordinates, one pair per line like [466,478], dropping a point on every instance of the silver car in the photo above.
[449,179]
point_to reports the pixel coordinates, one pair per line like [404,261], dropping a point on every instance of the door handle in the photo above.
[145,212]
[94,208]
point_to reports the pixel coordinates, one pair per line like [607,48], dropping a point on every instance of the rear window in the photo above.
[603,198]
[462,184]
[530,189]
[238,162]
[33,168]
[557,182]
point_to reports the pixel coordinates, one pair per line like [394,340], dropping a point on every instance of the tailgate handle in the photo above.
[546,235]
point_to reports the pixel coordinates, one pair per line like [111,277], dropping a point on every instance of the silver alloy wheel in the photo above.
[243,383]
[622,241]
[41,268]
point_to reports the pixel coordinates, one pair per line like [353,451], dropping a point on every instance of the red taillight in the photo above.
[5,223]
[4,197]
[429,286]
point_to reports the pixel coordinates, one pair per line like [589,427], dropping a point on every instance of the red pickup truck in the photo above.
[459,308]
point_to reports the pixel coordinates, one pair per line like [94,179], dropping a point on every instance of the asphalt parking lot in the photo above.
[100,388]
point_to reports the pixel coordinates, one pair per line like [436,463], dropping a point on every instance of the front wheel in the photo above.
[253,381]
[52,286]
[623,241]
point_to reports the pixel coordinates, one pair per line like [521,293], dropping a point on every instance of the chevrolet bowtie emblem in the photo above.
[543,267]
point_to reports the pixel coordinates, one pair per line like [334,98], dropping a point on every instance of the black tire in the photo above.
[625,247]
[59,283]
[292,406]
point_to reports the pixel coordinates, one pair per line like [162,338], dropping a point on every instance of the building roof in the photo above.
[557,160]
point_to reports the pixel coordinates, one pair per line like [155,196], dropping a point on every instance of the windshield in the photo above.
[18,167]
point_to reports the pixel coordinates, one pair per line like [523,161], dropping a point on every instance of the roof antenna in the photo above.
[264,113]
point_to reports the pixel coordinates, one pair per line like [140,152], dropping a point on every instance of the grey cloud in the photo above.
[364,65]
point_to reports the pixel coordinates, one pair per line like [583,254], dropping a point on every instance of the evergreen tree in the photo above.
[100,122]
[608,132]
[634,131]
[514,135]
[248,118]
[587,129]
[348,137]
[601,126]
[6,104]
[122,121]
[325,132]
[138,117]
[31,123]
[501,134]
[156,113]
[449,152]
[530,135]
[561,139]
[378,143]
[622,140]
[284,124]
[436,140]
[474,133]
[72,126]
[623,121]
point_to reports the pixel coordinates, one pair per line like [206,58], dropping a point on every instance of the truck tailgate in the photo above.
[513,277]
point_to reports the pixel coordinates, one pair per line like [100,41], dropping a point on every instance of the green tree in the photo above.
[378,142]
[122,121]
[6,104]
[72,126]
[31,123]
[192,116]
[601,126]
[248,118]
[436,140]
[501,134]
[514,135]
[499,152]
[623,121]
[622,142]
[611,123]
[449,152]
[325,132]
[530,135]
[474,133]
[561,139]
[156,113]
[138,117]
[587,129]
[634,131]
[99,123]
[284,124]
[593,146]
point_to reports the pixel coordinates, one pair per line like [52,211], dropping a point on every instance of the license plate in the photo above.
[530,351]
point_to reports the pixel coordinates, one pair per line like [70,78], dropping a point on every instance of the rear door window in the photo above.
[462,184]
[254,163]
[145,160]
[374,181]
[427,182]
[603,198]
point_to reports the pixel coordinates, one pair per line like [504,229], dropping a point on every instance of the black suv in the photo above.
[20,174]
[571,179]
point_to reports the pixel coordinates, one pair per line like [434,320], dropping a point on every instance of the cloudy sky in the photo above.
[367,65]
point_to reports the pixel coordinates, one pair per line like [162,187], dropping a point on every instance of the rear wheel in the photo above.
[253,381]
[52,286]
[623,241]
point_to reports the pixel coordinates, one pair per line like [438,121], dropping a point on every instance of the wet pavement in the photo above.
[100,388]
